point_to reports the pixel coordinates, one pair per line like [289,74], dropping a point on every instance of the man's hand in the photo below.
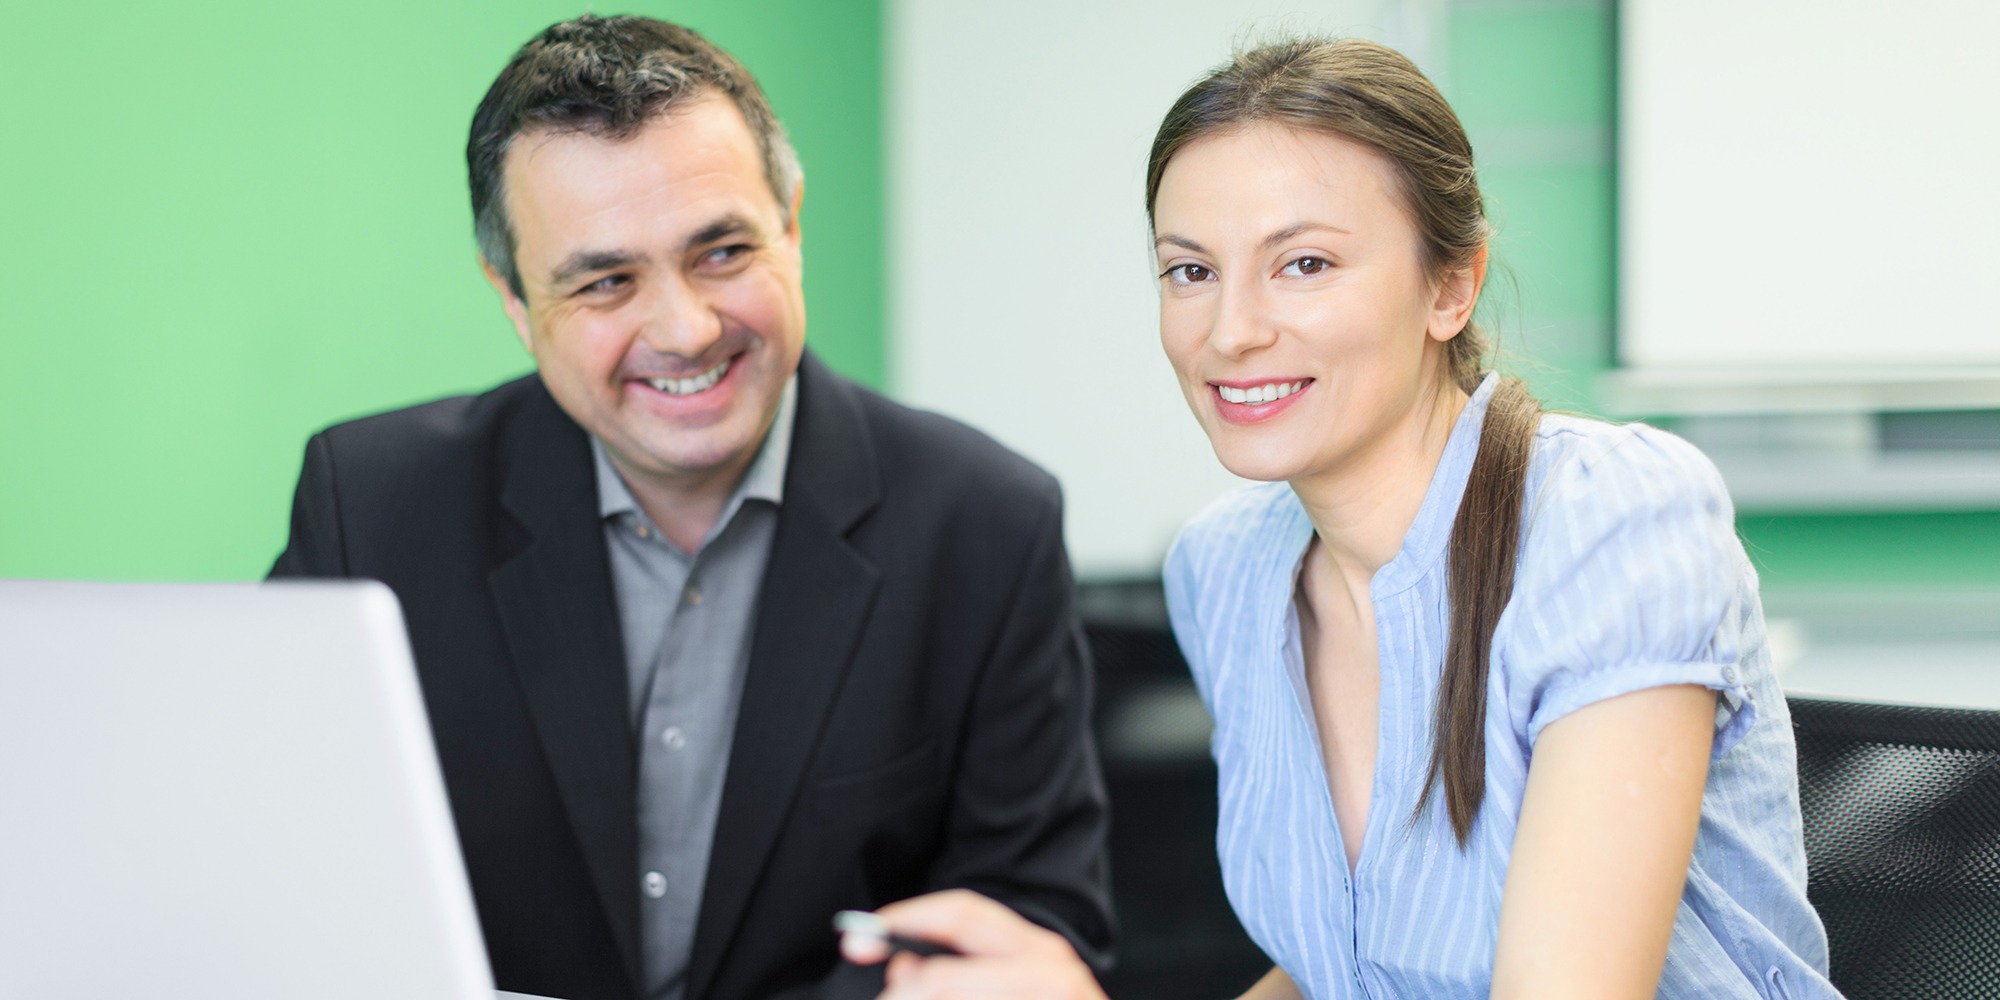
[1001,956]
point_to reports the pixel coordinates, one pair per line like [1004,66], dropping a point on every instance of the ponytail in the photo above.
[1484,539]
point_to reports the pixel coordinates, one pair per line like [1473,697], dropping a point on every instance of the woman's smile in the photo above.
[1252,401]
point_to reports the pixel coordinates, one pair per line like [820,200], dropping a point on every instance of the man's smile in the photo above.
[692,384]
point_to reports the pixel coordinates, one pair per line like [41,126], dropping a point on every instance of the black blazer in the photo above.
[914,717]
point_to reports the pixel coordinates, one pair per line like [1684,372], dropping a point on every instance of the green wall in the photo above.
[228,224]
[1535,82]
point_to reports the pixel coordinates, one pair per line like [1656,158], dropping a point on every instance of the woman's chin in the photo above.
[1258,464]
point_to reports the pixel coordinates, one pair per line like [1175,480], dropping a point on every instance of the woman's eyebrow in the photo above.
[1300,229]
[1295,229]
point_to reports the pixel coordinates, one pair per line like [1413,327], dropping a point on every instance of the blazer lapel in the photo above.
[817,593]
[561,623]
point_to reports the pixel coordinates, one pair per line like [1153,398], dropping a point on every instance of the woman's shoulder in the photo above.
[1228,562]
[1249,519]
[1614,469]
[1630,575]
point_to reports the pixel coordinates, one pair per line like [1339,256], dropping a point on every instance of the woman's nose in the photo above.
[1242,323]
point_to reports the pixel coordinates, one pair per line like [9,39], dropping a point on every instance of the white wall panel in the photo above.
[1809,183]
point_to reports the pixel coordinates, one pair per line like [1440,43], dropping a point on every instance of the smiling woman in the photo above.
[1494,711]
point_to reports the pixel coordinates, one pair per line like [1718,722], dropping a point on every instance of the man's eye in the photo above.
[723,255]
[1309,265]
[608,283]
[1187,274]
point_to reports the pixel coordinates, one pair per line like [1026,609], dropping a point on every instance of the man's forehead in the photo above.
[707,125]
[694,160]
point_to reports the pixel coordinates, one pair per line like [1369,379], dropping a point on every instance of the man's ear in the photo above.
[1457,294]
[798,202]
[517,310]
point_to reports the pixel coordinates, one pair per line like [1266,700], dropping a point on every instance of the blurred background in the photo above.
[231,223]
[228,224]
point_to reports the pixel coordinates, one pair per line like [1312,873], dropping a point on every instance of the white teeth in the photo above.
[691,385]
[1266,393]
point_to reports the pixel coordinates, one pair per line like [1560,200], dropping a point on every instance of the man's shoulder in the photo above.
[916,445]
[441,425]
[449,444]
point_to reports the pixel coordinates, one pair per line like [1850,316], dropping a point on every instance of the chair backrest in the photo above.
[1902,830]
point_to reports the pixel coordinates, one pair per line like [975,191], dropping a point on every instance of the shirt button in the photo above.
[654,884]
[672,738]
[693,595]
[642,531]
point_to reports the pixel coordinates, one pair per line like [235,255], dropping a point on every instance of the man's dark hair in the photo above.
[606,77]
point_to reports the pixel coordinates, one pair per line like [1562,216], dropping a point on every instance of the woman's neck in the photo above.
[1362,509]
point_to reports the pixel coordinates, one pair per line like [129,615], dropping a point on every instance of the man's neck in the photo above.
[684,509]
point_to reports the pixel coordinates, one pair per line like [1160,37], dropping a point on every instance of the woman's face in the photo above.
[1293,300]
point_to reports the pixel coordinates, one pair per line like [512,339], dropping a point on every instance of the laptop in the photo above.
[223,791]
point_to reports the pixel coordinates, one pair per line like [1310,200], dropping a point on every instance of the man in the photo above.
[714,642]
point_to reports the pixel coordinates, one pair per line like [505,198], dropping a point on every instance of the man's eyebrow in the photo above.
[585,262]
[721,229]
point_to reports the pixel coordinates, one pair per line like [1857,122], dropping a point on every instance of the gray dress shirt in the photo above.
[686,621]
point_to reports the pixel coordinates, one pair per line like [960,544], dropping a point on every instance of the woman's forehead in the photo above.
[1271,176]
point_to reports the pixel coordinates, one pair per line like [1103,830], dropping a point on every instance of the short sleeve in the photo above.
[1631,577]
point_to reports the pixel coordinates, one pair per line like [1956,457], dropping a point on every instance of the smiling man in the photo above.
[715,643]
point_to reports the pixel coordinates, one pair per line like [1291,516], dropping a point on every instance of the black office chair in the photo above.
[1902,829]
[1178,938]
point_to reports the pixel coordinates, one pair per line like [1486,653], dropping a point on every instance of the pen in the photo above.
[862,923]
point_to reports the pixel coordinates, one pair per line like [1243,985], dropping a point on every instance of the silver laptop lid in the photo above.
[223,791]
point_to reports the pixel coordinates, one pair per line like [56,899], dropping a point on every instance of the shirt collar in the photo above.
[1424,543]
[764,480]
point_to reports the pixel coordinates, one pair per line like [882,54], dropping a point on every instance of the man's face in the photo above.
[661,289]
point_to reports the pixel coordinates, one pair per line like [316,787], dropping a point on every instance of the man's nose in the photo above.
[681,322]
[1243,323]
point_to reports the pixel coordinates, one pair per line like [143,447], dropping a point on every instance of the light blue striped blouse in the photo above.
[1630,576]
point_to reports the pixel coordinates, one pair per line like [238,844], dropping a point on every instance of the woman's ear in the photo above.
[1457,294]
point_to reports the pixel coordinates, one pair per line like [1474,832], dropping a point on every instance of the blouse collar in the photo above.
[1431,530]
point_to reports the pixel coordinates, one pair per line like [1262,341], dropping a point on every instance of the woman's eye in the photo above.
[1309,265]
[1187,274]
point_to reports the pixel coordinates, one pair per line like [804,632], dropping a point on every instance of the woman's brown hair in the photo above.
[1372,95]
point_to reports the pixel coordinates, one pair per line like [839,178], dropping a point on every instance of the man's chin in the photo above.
[671,457]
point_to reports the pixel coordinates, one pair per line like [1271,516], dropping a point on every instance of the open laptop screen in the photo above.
[222,791]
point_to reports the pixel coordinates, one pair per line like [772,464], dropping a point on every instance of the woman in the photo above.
[1494,711]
